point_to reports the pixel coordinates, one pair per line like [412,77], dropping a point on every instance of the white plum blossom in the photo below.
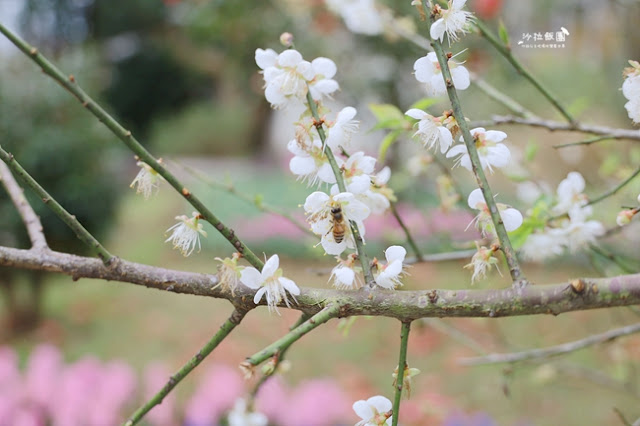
[318,206]
[490,150]
[288,76]
[571,197]
[375,411]
[346,276]
[451,21]
[541,246]
[309,162]
[431,130]
[239,416]
[342,129]
[578,233]
[269,282]
[147,181]
[360,16]
[185,235]
[388,276]
[427,71]
[511,218]
[356,171]
[631,91]
[229,272]
[379,196]
[481,262]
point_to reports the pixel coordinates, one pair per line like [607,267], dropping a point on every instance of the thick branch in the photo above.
[553,350]
[29,217]
[582,294]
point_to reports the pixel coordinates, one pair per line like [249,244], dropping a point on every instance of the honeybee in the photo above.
[338,224]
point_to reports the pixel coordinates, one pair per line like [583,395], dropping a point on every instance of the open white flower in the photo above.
[288,77]
[147,181]
[578,233]
[490,150]
[375,411]
[318,207]
[239,416]
[356,171]
[379,196]
[427,70]
[346,276]
[541,246]
[431,131]
[571,197]
[269,282]
[451,21]
[342,129]
[360,16]
[309,162]
[185,235]
[511,218]
[388,276]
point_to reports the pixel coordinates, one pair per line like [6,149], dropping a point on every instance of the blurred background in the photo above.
[181,75]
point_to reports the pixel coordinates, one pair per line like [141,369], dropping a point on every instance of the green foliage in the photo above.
[503,33]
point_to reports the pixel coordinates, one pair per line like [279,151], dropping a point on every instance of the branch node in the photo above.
[72,78]
[185,192]
[33,51]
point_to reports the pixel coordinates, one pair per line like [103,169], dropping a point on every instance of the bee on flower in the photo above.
[329,217]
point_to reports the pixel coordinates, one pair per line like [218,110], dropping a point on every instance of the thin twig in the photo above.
[407,233]
[69,83]
[70,220]
[402,365]
[612,257]
[617,188]
[29,217]
[553,350]
[224,331]
[506,52]
[231,189]
[288,339]
[585,142]
[551,125]
[362,254]
[517,276]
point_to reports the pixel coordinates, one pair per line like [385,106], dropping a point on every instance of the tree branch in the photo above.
[70,220]
[402,366]
[29,217]
[554,299]
[226,328]
[551,125]
[553,350]
[69,83]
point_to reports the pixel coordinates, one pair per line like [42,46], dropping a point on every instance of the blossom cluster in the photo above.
[323,158]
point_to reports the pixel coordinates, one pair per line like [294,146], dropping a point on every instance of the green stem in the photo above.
[613,258]
[69,219]
[262,206]
[402,365]
[69,83]
[517,276]
[364,259]
[407,233]
[288,339]
[506,52]
[224,331]
[616,189]
[586,141]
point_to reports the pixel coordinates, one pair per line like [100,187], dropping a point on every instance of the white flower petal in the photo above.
[394,253]
[289,285]
[315,202]
[476,199]
[271,266]
[437,30]
[324,67]
[302,166]
[511,218]
[258,296]
[251,277]
[461,78]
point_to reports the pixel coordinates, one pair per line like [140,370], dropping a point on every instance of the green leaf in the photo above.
[530,151]
[520,235]
[503,33]
[388,116]
[386,144]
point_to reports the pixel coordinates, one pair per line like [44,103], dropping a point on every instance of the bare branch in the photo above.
[29,217]
[554,299]
[610,132]
[553,350]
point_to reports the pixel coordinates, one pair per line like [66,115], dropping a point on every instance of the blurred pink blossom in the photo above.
[216,395]
[156,376]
